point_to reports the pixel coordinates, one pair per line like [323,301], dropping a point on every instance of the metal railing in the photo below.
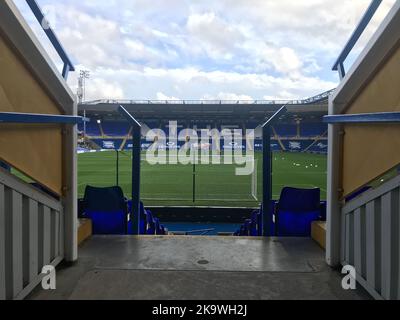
[68,66]
[31,235]
[369,227]
[311,100]
[365,20]
[376,117]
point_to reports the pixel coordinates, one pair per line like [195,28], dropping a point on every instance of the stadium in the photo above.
[302,131]
[198,199]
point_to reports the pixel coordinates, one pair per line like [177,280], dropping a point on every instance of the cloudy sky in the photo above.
[204,49]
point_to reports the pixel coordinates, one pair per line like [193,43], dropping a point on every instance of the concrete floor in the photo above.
[185,268]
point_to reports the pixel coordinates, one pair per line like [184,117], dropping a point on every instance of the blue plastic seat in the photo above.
[150,224]
[107,209]
[143,216]
[295,211]
[255,226]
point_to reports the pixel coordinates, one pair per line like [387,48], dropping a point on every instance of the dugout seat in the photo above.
[107,209]
[149,224]
[295,211]
[143,213]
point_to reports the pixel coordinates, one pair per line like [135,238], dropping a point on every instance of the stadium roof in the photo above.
[196,109]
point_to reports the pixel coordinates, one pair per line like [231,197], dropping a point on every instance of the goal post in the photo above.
[254,181]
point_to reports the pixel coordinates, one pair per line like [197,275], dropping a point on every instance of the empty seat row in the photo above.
[111,213]
[149,224]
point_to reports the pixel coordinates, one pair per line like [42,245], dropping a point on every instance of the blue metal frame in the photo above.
[68,66]
[14,117]
[379,117]
[136,150]
[267,172]
[339,64]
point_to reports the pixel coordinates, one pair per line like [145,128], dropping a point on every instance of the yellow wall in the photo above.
[371,150]
[35,150]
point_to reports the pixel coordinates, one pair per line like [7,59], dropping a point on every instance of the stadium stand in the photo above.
[92,129]
[115,129]
[286,130]
[311,129]
[312,139]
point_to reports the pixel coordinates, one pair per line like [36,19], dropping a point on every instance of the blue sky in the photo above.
[204,49]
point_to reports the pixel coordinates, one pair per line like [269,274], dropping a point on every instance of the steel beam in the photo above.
[14,117]
[136,150]
[379,117]
[267,172]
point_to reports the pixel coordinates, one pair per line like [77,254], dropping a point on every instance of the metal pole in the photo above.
[267,173]
[117,169]
[194,181]
[136,150]
[136,133]
[267,182]
[84,124]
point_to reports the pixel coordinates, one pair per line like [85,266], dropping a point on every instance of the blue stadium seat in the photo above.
[295,211]
[286,130]
[143,213]
[107,209]
[313,129]
[254,226]
[115,128]
[92,129]
[150,223]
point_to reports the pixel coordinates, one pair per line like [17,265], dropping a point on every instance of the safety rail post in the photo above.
[117,168]
[365,20]
[267,172]
[68,65]
[136,151]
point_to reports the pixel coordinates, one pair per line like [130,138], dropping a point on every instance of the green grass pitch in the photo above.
[215,185]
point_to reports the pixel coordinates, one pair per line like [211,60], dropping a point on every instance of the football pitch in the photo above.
[202,184]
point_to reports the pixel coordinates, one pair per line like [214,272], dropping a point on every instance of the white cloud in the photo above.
[233,49]
[162,96]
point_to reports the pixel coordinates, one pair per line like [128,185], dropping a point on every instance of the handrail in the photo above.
[267,171]
[68,66]
[35,118]
[311,100]
[136,150]
[362,118]
[365,20]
